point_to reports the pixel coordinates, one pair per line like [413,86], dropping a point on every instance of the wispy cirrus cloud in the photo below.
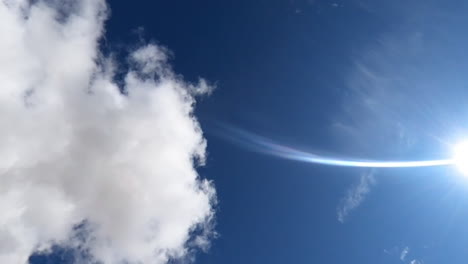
[404,86]
[355,195]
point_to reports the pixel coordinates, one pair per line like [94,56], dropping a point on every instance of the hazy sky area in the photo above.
[227,132]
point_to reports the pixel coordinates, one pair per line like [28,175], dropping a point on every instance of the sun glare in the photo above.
[460,156]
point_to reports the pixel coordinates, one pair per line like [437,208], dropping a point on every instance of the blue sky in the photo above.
[378,80]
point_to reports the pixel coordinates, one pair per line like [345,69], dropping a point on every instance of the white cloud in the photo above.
[355,196]
[404,253]
[75,150]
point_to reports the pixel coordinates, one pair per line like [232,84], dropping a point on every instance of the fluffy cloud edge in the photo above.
[117,163]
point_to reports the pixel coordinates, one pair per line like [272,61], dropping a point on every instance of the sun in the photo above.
[460,156]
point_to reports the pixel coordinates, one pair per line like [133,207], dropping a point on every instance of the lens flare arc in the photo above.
[267,146]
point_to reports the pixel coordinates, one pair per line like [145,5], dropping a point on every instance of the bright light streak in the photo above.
[312,158]
[264,145]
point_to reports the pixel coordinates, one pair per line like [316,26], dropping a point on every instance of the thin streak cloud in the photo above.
[355,196]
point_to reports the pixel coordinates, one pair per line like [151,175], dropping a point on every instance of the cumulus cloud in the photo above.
[84,162]
[355,196]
